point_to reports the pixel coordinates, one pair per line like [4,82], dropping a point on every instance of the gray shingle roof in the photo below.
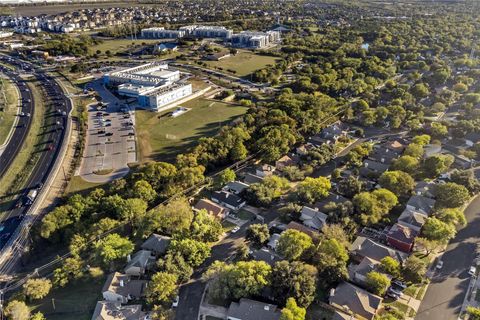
[247,309]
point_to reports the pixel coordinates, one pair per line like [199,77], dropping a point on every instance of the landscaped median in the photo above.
[8,108]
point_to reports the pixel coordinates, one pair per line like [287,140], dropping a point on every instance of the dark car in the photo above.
[109,134]
[101,131]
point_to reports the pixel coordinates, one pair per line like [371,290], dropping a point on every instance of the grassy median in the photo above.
[8,108]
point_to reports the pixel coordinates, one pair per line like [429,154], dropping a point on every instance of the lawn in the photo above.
[75,301]
[244,63]
[161,137]
[7,115]
[119,45]
[77,184]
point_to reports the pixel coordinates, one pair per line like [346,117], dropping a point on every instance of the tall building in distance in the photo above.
[255,40]
[161,33]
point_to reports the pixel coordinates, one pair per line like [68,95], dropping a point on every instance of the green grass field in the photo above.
[76,301]
[119,45]
[10,107]
[244,63]
[161,137]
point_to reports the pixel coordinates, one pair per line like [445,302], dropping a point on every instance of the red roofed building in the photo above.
[401,237]
[212,208]
[300,227]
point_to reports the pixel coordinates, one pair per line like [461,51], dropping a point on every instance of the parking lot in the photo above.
[110,142]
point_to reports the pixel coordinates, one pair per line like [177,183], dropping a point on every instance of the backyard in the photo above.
[161,137]
[243,63]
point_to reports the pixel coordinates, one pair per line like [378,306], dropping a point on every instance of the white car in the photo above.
[175,302]
[235,229]
[472,271]
[439,264]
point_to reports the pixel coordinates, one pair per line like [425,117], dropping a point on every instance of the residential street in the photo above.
[448,287]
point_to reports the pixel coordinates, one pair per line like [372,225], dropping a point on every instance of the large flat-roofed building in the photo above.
[161,33]
[154,85]
[257,40]
[208,31]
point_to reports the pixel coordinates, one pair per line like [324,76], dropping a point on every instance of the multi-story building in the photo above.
[161,33]
[210,32]
[154,85]
[257,40]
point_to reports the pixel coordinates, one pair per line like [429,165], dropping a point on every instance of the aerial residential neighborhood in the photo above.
[239,160]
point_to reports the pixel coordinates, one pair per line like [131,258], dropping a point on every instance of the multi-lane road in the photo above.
[23,124]
[58,107]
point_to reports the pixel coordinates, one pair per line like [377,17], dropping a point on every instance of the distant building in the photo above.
[161,33]
[255,40]
[217,56]
[209,31]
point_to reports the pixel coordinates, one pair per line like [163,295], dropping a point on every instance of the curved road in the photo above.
[23,124]
[55,136]
[448,287]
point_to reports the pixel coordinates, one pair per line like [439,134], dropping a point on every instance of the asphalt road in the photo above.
[10,221]
[23,124]
[444,297]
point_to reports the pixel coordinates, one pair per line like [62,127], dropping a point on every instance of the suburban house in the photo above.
[251,178]
[364,247]
[120,288]
[264,170]
[351,299]
[431,150]
[383,154]
[358,273]
[424,188]
[372,169]
[105,310]
[273,241]
[472,138]
[247,309]
[421,204]
[338,315]
[212,208]
[304,149]
[217,56]
[286,161]
[157,244]
[329,135]
[229,200]
[313,218]
[265,255]
[397,145]
[235,187]
[412,219]
[300,227]
[331,199]
[401,237]
[140,262]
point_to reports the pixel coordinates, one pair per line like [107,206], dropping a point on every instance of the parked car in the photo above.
[175,302]
[395,291]
[399,284]
[235,229]
[109,134]
[439,264]
[472,271]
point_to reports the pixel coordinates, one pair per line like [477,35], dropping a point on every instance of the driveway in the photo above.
[109,145]
[444,297]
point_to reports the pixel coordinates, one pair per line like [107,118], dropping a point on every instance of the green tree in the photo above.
[72,268]
[226,176]
[407,164]
[377,282]
[437,164]
[194,252]
[414,269]
[38,316]
[276,141]
[292,311]
[313,189]
[293,243]
[174,263]
[421,140]
[37,288]
[17,310]
[390,266]
[172,218]
[420,90]
[269,189]
[205,227]
[473,313]
[113,247]
[452,216]
[436,230]
[438,130]
[451,195]
[258,234]
[162,287]
[373,206]
[331,259]
[235,281]
[143,190]
[294,279]
[414,150]
[428,245]
[398,182]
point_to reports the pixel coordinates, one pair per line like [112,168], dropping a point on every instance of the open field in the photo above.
[161,137]
[76,301]
[7,116]
[244,63]
[119,45]
[77,184]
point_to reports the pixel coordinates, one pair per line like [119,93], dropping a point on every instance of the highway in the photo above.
[23,124]
[58,107]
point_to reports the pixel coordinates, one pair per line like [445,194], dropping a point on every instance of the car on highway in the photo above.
[439,265]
